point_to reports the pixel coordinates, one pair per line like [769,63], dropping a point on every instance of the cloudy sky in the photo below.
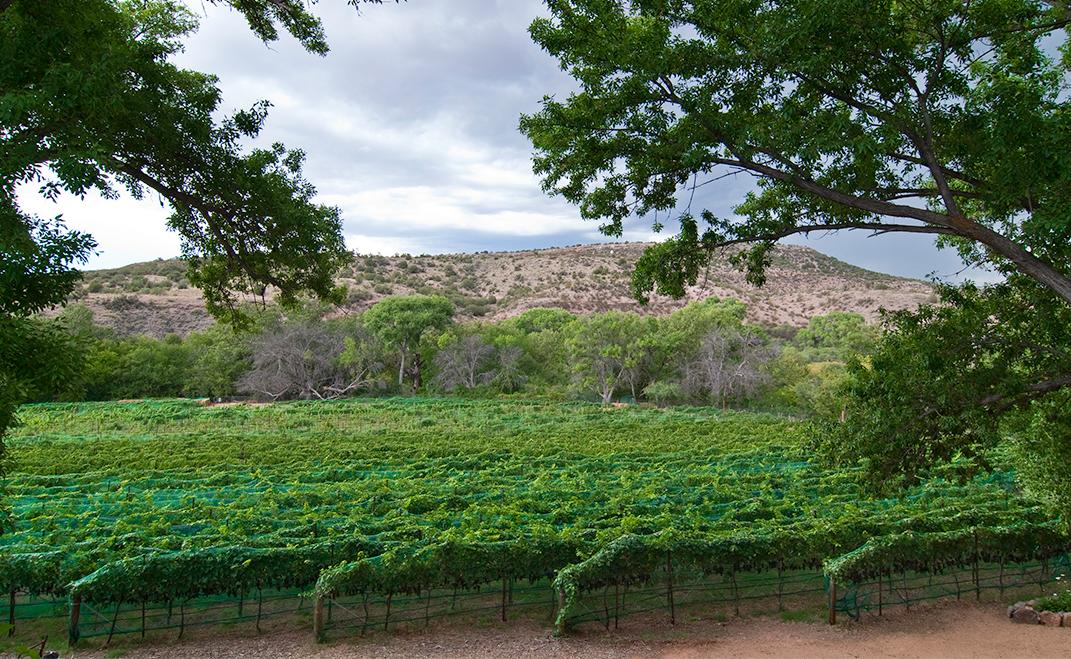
[410,125]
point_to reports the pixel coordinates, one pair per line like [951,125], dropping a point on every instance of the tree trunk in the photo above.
[401,370]
[417,379]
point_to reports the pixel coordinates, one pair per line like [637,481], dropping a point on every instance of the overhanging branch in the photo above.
[877,227]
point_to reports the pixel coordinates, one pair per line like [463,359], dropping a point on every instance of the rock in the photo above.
[1015,607]
[1050,618]
[51,654]
[1026,616]
[1067,620]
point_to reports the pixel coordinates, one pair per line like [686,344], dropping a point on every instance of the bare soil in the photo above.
[938,630]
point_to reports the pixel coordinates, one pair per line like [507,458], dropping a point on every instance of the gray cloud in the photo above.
[410,126]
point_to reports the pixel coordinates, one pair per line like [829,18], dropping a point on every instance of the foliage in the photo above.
[945,377]
[836,337]
[308,358]
[1060,601]
[941,118]
[936,551]
[401,322]
[91,97]
[176,499]
[604,347]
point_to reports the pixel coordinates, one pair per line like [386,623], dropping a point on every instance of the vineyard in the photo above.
[400,509]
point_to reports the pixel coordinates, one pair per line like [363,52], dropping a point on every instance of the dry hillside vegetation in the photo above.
[154,297]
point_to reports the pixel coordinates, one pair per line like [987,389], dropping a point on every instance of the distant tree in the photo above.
[401,321]
[602,348]
[509,374]
[837,336]
[730,365]
[219,356]
[464,362]
[309,359]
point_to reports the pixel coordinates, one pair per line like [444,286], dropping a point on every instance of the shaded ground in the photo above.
[940,630]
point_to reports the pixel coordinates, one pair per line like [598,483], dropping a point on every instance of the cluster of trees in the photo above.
[702,353]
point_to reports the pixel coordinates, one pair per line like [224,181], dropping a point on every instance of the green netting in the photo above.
[168,500]
[986,581]
[124,618]
[362,613]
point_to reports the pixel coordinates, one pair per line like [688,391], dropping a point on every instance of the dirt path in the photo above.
[943,630]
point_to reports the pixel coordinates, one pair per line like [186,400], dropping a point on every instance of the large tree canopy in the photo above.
[89,100]
[939,116]
[945,117]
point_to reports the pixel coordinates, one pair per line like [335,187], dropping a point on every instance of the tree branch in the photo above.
[1002,402]
[877,227]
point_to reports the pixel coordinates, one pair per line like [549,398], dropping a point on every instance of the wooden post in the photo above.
[617,603]
[977,578]
[73,632]
[318,619]
[503,599]
[736,593]
[386,618]
[143,618]
[780,584]
[559,621]
[880,579]
[832,601]
[427,607]
[669,589]
[606,607]
[11,614]
[364,625]
[1001,577]
[260,605]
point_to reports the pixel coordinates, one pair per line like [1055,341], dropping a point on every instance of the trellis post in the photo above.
[832,601]
[318,619]
[73,633]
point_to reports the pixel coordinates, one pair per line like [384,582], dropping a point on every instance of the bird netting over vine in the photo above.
[162,502]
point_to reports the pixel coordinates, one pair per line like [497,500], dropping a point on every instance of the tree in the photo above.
[941,118]
[949,382]
[401,321]
[464,362]
[220,355]
[836,337]
[603,347]
[310,359]
[89,100]
[729,366]
[946,118]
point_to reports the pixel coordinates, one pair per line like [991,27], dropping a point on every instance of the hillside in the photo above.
[154,297]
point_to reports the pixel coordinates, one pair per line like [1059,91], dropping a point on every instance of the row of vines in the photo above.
[167,501]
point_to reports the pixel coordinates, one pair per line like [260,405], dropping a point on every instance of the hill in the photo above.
[154,297]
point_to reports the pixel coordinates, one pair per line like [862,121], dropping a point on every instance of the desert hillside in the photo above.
[154,297]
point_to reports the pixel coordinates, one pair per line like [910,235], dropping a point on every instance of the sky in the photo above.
[410,127]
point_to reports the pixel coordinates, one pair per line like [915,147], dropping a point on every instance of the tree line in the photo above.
[704,353]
